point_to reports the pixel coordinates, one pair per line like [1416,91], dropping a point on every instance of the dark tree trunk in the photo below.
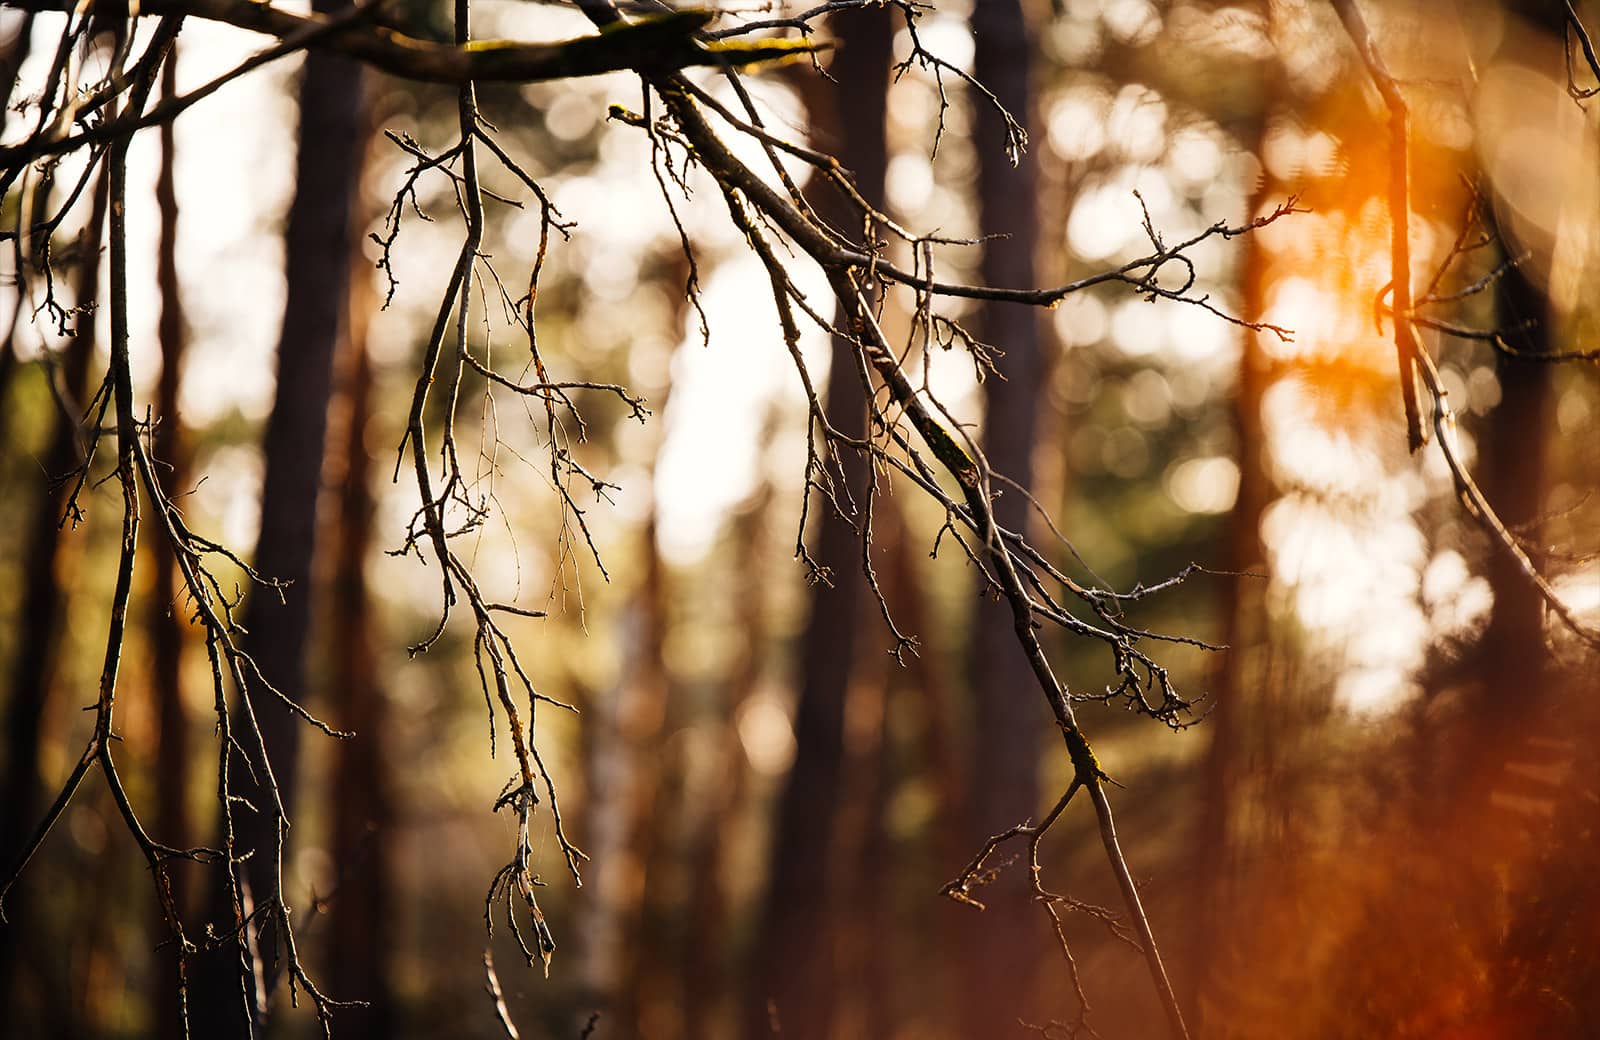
[1005,941]
[317,257]
[362,906]
[1514,460]
[870,943]
[42,606]
[792,962]
[166,615]
[1510,660]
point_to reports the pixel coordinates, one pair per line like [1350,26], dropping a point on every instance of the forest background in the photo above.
[1377,817]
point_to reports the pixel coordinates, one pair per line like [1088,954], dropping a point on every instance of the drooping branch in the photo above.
[910,431]
[1573,27]
[1408,350]
[1414,360]
[846,269]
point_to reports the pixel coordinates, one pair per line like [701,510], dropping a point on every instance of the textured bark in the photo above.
[39,617]
[1004,943]
[362,906]
[317,258]
[792,984]
[166,610]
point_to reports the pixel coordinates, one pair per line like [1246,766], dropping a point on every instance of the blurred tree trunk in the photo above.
[362,904]
[625,953]
[1513,464]
[43,602]
[12,54]
[938,698]
[622,761]
[1004,942]
[641,716]
[1241,610]
[704,958]
[317,259]
[792,963]
[166,618]
[870,945]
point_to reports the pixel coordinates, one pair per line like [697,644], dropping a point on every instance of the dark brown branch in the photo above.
[662,42]
[1408,350]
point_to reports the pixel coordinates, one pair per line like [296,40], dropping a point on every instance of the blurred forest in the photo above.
[1377,817]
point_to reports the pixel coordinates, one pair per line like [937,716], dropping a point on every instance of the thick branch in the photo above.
[663,42]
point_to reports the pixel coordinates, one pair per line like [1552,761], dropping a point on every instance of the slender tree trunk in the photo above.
[363,907]
[1241,610]
[317,258]
[166,612]
[870,944]
[621,773]
[792,985]
[643,713]
[643,705]
[42,606]
[1005,942]
[704,957]
[626,778]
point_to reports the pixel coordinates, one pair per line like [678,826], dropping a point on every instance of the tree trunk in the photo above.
[166,609]
[792,983]
[1241,611]
[362,905]
[1514,459]
[317,259]
[704,957]
[1005,941]
[1510,661]
[638,715]
[42,606]
[869,943]
[1240,606]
